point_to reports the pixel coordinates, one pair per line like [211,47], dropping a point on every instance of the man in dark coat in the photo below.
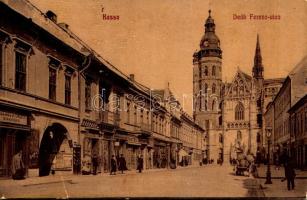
[289,174]
[140,164]
[95,163]
[122,163]
[113,165]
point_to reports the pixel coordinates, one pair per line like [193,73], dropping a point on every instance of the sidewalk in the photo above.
[279,188]
[67,176]
[279,174]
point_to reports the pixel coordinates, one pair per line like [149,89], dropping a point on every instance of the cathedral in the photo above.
[231,113]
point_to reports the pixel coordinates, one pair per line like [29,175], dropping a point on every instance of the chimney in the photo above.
[52,16]
[131,77]
[64,25]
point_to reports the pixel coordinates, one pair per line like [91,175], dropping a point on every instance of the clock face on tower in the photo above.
[206,43]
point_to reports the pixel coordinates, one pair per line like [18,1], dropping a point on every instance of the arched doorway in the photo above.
[52,140]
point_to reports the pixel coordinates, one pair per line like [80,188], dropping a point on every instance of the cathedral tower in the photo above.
[207,85]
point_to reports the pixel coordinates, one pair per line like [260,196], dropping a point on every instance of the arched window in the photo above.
[206,71]
[206,88]
[206,105]
[213,70]
[239,112]
[239,136]
[213,88]
[220,120]
[241,90]
[213,105]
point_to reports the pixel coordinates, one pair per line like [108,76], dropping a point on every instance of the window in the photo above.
[239,136]
[88,96]
[67,89]
[220,120]
[128,112]
[1,63]
[213,88]
[213,70]
[206,88]
[221,138]
[21,71]
[239,112]
[213,105]
[259,120]
[52,83]
[206,105]
[258,137]
[206,71]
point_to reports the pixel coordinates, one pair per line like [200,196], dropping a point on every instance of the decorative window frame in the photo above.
[26,49]
[5,39]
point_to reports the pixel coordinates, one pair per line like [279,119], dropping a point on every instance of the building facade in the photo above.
[64,106]
[232,113]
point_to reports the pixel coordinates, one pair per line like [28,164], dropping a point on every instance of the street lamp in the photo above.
[268,132]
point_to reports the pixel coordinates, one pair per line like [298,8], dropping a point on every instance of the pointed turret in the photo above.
[258,67]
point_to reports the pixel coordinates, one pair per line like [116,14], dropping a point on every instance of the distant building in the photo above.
[232,113]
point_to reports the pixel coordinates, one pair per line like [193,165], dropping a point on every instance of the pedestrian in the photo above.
[113,166]
[140,163]
[122,163]
[18,170]
[95,163]
[277,163]
[289,174]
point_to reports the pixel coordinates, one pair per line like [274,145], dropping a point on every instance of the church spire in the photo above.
[258,67]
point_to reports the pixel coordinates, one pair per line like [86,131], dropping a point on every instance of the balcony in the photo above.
[144,129]
[108,118]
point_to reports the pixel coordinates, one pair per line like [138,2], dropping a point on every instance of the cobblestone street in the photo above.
[206,181]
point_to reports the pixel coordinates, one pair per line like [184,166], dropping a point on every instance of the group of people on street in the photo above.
[120,163]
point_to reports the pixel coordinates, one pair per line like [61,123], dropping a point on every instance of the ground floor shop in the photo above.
[15,133]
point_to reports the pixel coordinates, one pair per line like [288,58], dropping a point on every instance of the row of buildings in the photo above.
[286,115]
[63,104]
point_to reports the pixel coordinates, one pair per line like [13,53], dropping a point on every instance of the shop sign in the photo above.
[116,144]
[14,118]
[132,140]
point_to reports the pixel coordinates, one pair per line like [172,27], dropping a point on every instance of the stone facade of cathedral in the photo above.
[231,113]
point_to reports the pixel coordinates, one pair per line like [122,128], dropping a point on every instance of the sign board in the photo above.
[14,118]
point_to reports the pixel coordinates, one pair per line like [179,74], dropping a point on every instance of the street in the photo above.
[206,181]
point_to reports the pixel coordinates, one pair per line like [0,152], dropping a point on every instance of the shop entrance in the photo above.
[54,136]
[11,142]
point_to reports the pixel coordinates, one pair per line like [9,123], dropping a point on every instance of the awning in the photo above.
[182,153]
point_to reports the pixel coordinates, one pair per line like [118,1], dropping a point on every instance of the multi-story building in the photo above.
[232,113]
[39,89]
[293,88]
[62,104]
[298,130]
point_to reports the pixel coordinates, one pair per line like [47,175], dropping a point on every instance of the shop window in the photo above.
[52,83]
[67,89]
[21,71]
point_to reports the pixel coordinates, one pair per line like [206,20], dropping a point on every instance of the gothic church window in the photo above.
[206,88]
[213,105]
[206,71]
[213,88]
[213,70]
[239,112]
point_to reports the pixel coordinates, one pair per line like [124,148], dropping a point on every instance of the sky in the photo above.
[155,39]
